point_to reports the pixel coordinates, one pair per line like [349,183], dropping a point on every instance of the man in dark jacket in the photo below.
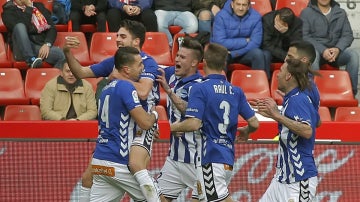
[327,27]
[88,12]
[32,33]
[281,28]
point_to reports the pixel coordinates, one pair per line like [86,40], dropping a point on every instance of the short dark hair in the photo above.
[193,44]
[215,56]
[286,15]
[305,49]
[136,29]
[62,63]
[125,56]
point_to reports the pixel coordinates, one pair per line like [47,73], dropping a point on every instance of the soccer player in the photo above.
[178,172]
[296,172]
[213,107]
[131,33]
[120,113]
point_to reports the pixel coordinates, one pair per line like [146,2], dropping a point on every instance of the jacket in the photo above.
[55,101]
[325,34]
[274,41]
[142,4]
[173,5]
[13,15]
[231,30]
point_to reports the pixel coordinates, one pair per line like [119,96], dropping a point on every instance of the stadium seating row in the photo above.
[15,90]
[32,113]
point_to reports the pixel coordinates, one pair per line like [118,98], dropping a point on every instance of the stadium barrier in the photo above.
[44,161]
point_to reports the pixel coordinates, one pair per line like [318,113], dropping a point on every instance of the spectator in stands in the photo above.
[88,12]
[327,27]
[139,10]
[215,113]
[238,27]
[183,150]
[281,28]
[119,110]
[205,10]
[296,171]
[130,33]
[67,98]
[175,12]
[32,33]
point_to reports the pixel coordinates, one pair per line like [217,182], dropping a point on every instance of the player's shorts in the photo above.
[111,181]
[145,138]
[175,177]
[217,177]
[304,190]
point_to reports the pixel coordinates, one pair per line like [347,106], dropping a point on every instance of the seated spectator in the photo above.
[238,27]
[327,27]
[88,12]
[67,98]
[61,11]
[32,33]
[137,10]
[205,10]
[281,28]
[175,12]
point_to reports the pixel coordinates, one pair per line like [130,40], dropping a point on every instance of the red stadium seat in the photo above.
[162,112]
[174,29]
[347,114]
[273,87]
[157,45]
[295,5]
[324,113]
[35,81]
[94,82]
[4,61]
[86,27]
[254,83]
[82,52]
[261,6]
[103,45]
[335,89]
[12,87]
[22,113]
[163,97]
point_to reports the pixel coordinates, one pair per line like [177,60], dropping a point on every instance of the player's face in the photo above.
[240,7]
[124,38]
[68,75]
[282,76]
[185,64]
[136,68]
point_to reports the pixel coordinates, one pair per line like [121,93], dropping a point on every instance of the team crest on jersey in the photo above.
[135,96]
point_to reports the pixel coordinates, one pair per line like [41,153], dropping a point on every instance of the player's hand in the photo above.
[71,42]
[162,81]
[243,134]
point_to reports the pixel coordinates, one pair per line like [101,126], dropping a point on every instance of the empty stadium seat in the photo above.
[22,113]
[102,45]
[163,97]
[324,113]
[347,114]
[4,61]
[157,45]
[94,82]
[35,81]
[273,88]
[12,87]
[295,5]
[162,112]
[82,52]
[254,83]
[261,6]
[335,89]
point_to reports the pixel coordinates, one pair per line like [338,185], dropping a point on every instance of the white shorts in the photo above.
[216,177]
[111,181]
[300,191]
[175,177]
[145,138]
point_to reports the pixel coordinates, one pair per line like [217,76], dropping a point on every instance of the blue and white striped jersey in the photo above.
[295,156]
[116,127]
[218,103]
[105,67]
[182,149]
